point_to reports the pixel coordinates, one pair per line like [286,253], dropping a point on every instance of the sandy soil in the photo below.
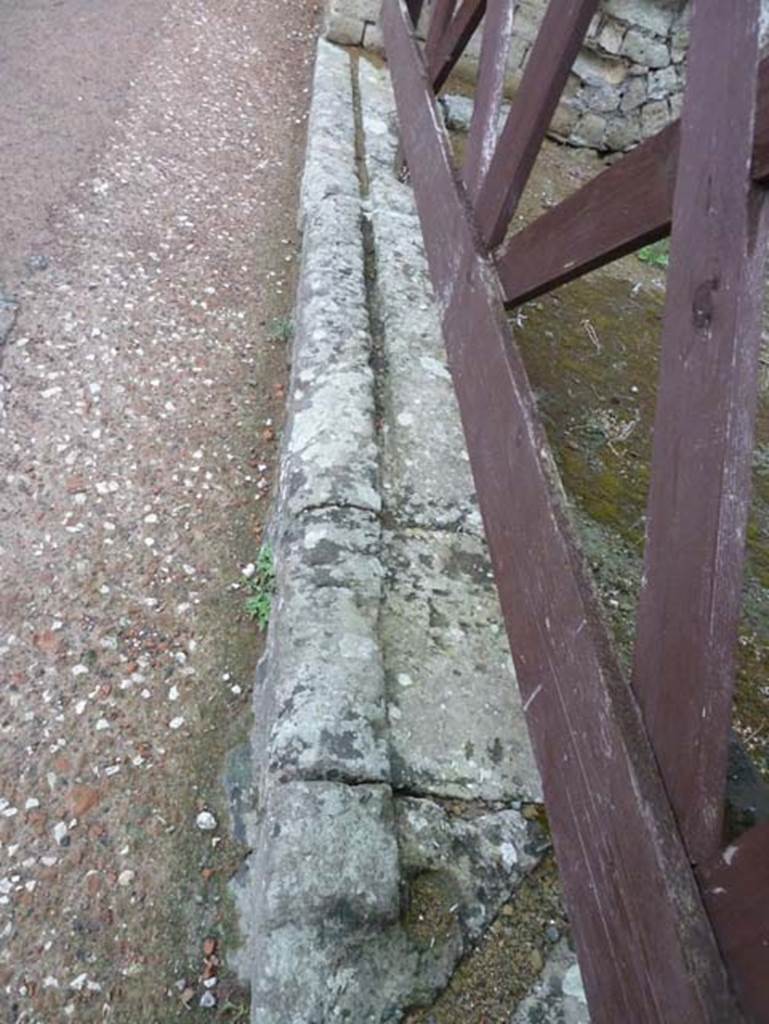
[148,233]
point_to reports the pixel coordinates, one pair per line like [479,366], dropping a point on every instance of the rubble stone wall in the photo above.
[627,82]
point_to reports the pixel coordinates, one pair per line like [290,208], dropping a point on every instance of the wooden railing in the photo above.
[670,926]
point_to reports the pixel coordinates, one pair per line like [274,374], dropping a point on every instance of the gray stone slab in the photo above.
[330,455]
[328,170]
[325,892]
[331,856]
[558,997]
[320,699]
[480,859]
[456,724]
[426,472]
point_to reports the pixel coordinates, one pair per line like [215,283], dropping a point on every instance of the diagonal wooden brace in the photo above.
[626,207]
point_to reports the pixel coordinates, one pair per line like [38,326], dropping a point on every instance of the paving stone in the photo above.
[481,859]
[558,997]
[456,724]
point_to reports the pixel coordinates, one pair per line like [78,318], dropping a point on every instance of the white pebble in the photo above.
[205,821]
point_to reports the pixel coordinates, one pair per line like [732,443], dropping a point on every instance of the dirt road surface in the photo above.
[148,175]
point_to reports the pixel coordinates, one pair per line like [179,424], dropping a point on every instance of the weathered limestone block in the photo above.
[623,132]
[457,727]
[663,83]
[479,860]
[654,16]
[611,35]
[559,995]
[634,94]
[654,117]
[591,131]
[322,693]
[645,50]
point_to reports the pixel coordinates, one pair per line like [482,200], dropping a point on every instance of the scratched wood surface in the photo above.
[495,46]
[646,947]
[561,34]
[699,495]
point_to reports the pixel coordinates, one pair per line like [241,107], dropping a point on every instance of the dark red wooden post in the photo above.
[456,37]
[703,434]
[497,30]
[646,945]
[440,19]
[547,68]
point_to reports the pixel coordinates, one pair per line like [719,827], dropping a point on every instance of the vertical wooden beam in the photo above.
[440,19]
[497,30]
[551,58]
[703,435]
[458,34]
[646,948]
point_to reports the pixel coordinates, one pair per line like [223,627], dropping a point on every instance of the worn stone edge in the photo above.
[343,499]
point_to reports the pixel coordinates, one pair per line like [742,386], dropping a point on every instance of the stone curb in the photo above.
[390,756]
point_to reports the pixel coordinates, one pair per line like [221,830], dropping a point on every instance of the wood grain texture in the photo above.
[699,493]
[495,47]
[646,947]
[561,34]
[627,206]
[736,889]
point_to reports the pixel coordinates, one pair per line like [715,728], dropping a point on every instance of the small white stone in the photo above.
[60,830]
[205,821]
[176,723]
[125,878]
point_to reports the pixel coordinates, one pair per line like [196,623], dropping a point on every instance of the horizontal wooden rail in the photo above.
[622,209]
[646,947]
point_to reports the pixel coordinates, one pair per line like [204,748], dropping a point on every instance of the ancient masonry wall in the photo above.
[627,82]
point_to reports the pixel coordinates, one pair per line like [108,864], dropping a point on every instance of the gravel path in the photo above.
[149,239]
